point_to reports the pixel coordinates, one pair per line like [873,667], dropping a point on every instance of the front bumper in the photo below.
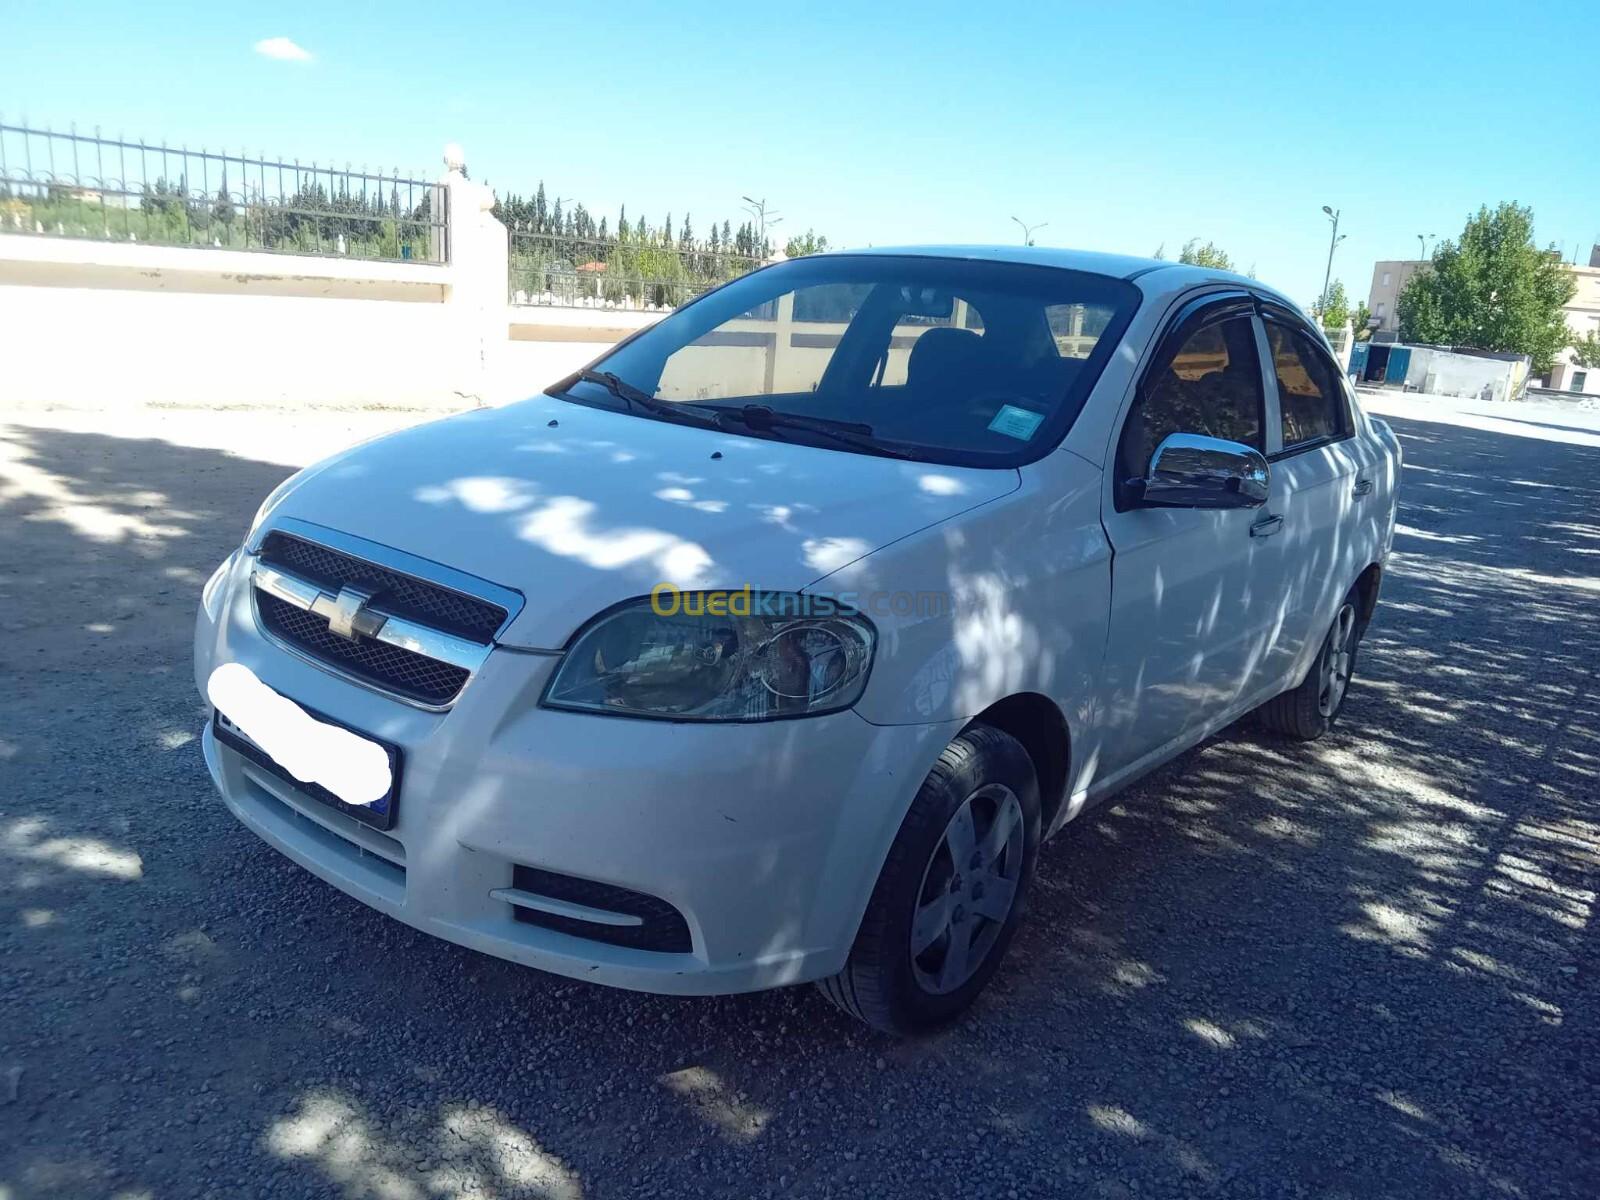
[767,838]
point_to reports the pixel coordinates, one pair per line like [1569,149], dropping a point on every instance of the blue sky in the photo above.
[1124,126]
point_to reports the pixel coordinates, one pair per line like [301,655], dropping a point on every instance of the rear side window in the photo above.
[1207,381]
[1309,395]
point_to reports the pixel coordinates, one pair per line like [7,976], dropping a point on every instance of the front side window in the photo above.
[1309,396]
[944,360]
[1206,380]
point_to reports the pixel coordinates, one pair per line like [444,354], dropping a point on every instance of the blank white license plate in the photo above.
[355,773]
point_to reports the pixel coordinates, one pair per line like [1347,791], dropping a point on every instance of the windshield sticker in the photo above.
[1016,422]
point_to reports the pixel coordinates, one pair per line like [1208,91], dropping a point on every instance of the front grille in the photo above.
[664,928]
[412,675]
[415,599]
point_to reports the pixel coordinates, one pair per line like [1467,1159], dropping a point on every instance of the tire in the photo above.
[886,982]
[1307,712]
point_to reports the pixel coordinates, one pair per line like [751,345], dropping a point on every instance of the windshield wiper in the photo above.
[694,414]
[760,418]
[757,418]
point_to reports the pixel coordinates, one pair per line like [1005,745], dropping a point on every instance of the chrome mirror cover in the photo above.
[1190,470]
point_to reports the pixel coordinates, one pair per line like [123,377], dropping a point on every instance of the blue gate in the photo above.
[1399,361]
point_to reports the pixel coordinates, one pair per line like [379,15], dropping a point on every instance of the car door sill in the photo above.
[1098,793]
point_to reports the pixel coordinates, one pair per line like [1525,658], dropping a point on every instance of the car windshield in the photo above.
[945,360]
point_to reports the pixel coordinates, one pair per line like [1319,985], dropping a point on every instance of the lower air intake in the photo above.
[661,926]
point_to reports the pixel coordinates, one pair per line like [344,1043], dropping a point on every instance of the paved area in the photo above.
[1366,969]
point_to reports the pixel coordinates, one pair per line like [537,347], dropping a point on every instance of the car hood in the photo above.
[579,508]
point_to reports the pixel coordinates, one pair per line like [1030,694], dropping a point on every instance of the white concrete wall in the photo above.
[92,324]
[542,345]
[1444,373]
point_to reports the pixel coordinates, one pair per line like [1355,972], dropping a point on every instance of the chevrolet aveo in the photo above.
[769,648]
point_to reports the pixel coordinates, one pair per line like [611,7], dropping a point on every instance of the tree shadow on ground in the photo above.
[1360,968]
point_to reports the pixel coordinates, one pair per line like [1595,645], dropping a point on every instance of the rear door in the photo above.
[1322,480]
[1193,590]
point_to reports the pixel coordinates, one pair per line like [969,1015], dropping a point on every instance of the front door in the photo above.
[1194,592]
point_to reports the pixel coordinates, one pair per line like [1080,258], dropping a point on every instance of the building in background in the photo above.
[1388,279]
[1583,318]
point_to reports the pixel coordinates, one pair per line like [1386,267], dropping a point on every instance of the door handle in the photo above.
[1363,487]
[1266,527]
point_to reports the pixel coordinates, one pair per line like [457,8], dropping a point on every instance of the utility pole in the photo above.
[1027,230]
[1333,243]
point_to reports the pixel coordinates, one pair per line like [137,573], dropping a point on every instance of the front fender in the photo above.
[1009,597]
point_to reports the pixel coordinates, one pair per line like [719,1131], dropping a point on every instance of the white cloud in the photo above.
[283,48]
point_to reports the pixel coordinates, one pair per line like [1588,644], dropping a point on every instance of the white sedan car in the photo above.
[768,648]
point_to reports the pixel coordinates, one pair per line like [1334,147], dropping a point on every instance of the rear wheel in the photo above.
[1307,712]
[951,891]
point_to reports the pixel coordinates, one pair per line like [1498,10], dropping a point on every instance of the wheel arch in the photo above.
[1037,722]
[1367,585]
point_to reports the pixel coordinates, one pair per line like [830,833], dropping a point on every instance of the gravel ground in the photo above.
[1364,969]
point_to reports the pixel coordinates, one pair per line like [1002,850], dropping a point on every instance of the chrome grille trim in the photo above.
[390,561]
[395,631]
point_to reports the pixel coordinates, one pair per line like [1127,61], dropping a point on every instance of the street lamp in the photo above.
[758,210]
[1422,240]
[1027,230]
[1333,242]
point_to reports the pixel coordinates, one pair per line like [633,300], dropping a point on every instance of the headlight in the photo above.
[757,664]
[211,594]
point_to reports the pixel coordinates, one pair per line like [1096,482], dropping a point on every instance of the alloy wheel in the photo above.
[968,889]
[1338,658]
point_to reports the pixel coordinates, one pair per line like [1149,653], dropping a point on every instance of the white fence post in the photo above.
[479,263]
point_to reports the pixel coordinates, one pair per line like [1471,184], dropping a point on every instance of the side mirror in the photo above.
[1191,471]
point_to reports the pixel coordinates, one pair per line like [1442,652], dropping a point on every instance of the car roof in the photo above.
[1155,276]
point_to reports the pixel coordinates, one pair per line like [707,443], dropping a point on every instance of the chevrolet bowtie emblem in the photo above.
[348,615]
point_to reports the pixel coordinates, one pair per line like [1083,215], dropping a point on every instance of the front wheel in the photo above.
[1307,712]
[951,891]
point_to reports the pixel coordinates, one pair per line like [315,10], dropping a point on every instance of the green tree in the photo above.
[1360,319]
[1334,307]
[806,243]
[1492,289]
[1207,255]
[222,210]
[1586,350]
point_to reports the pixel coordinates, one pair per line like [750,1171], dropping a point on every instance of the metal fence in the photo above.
[548,268]
[79,186]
